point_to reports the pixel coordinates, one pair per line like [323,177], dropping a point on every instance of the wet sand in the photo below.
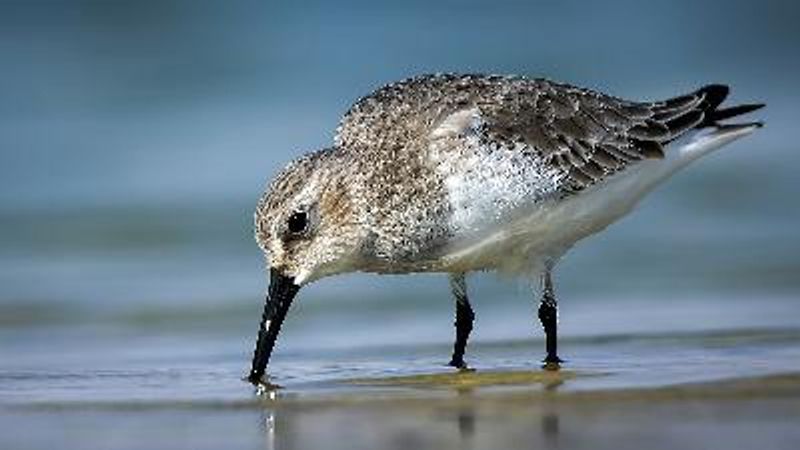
[761,412]
[728,388]
[467,410]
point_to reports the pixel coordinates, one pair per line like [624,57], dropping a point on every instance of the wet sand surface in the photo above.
[497,410]
[747,413]
[731,389]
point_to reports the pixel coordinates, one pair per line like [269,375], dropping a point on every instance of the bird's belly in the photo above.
[543,231]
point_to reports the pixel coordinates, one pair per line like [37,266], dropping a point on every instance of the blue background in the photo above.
[136,137]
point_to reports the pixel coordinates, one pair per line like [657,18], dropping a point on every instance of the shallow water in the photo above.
[99,387]
[98,365]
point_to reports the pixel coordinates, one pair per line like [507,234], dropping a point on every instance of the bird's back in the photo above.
[460,163]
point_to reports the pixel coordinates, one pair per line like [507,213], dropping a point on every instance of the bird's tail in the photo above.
[713,96]
[697,122]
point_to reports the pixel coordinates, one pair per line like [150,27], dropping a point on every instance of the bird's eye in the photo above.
[298,222]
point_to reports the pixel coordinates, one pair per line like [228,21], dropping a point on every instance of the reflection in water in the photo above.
[551,428]
[553,384]
[551,422]
[450,421]
[268,422]
[466,416]
[269,393]
[466,423]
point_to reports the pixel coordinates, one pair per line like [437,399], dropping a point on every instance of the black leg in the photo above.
[548,315]
[464,318]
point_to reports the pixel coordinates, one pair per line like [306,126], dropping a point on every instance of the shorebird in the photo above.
[461,173]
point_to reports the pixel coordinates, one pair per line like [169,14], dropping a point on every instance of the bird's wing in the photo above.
[585,135]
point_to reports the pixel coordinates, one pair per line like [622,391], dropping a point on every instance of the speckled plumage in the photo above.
[455,173]
[458,173]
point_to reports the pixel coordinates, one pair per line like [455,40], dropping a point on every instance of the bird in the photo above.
[461,173]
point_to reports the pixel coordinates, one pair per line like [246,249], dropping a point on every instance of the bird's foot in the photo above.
[460,365]
[552,362]
[262,384]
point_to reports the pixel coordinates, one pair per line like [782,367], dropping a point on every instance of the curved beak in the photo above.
[282,290]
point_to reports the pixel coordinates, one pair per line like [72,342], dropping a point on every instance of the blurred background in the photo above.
[136,138]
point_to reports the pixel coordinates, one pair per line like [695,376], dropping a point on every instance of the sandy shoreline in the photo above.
[485,388]
[747,413]
[759,412]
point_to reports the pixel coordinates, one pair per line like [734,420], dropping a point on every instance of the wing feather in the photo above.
[590,136]
[585,135]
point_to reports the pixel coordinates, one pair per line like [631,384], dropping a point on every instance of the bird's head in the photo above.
[307,226]
[305,221]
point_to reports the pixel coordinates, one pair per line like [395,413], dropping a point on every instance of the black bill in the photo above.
[282,290]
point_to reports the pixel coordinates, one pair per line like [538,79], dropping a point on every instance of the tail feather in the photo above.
[699,110]
[713,117]
[713,97]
